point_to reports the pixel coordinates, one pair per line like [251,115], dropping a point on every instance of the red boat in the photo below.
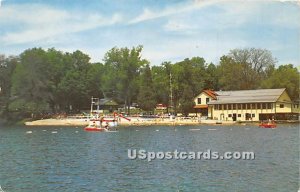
[101,124]
[95,129]
[95,125]
[267,125]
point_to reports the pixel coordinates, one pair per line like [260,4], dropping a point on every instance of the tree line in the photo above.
[40,81]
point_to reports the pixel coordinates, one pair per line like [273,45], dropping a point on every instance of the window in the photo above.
[199,100]
[248,116]
[239,115]
[248,106]
[264,106]
[207,100]
[239,106]
[281,105]
[253,115]
[229,115]
[253,106]
[244,106]
[269,105]
[225,107]
[216,107]
[233,106]
[220,107]
[229,106]
[258,105]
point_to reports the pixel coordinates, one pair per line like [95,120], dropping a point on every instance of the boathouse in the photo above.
[247,105]
[202,101]
[108,104]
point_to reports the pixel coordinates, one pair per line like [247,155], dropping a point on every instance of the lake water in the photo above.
[75,160]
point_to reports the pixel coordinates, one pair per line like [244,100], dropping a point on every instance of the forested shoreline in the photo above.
[42,81]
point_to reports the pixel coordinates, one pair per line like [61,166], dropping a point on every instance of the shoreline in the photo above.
[137,121]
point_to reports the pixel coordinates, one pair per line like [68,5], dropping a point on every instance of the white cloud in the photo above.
[175,25]
[180,8]
[236,12]
[201,28]
[172,51]
[30,14]
[281,13]
[39,22]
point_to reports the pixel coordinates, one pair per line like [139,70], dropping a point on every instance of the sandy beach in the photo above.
[138,121]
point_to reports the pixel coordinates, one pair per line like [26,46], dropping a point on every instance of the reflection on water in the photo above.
[69,159]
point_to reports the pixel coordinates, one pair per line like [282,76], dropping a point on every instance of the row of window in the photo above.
[244,106]
[240,115]
[199,101]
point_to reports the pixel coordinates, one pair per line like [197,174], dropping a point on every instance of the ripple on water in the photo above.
[74,160]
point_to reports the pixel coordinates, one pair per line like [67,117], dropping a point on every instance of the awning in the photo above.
[200,106]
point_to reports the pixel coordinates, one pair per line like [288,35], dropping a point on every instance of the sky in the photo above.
[169,30]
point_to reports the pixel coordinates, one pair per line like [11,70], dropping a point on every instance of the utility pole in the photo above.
[171,96]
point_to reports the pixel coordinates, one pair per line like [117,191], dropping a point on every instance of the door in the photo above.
[247,116]
[234,117]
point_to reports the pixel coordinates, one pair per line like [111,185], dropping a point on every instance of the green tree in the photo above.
[186,101]
[39,81]
[58,64]
[94,80]
[146,96]
[45,81]
[161,82]
[245,68]
[286,76]
[74,88]
[123,66]
[73,91]
[7,67]
[256,59]
[212,77]
[188,75]
[231,78]
[30,83]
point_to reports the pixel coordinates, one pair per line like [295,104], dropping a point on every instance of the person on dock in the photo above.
[101,121]
[106,126]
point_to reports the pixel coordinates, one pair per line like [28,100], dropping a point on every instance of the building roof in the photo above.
[210,93]
[108,101]
[247,96]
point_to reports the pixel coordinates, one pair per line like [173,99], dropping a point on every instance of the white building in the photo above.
[246,105]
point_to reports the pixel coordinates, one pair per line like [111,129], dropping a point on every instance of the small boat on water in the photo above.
[104,123]
[96,125]
[97,129]
[268,125]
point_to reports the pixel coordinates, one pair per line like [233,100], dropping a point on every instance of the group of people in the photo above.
[270,122]
[103,123]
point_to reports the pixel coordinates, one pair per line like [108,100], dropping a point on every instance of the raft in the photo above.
[95,129]
[267,125]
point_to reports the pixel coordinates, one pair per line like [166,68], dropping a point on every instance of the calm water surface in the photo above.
[74,160]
